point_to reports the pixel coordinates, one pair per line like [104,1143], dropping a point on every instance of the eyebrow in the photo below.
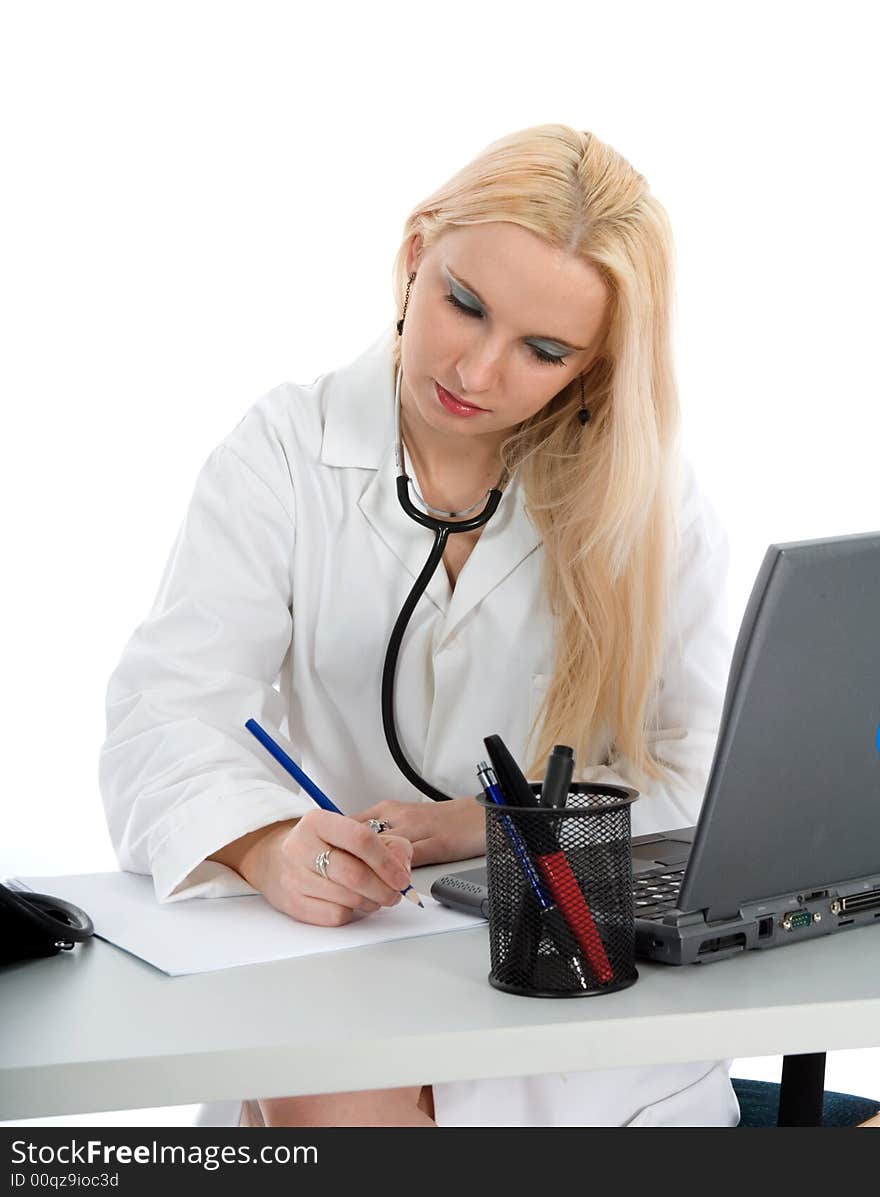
[535,337]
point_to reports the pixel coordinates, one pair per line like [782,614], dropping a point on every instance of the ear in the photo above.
[414,253]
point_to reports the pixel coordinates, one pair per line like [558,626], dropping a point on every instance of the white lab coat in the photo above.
[277,602]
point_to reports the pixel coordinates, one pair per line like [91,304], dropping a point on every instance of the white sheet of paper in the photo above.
[206,934]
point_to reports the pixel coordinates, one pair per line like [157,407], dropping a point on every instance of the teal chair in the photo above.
[760,1106]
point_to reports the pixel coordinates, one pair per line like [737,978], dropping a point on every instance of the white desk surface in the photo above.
[98,1029]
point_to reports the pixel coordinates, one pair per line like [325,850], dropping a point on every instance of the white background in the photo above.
[204,200]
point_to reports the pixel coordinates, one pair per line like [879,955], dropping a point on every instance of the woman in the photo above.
[532,343]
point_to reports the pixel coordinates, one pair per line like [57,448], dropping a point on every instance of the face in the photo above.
[502,321]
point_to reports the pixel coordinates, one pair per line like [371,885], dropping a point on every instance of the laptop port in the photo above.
[803,918]
[722,943]
[765,928]
[870,900]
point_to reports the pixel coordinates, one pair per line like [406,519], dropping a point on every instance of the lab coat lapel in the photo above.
[507,539]
[409,541]
[359,431]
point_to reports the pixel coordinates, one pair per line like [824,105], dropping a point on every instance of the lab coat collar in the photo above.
[359,432]
[358,424]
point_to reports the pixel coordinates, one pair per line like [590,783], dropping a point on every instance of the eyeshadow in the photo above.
[542,342]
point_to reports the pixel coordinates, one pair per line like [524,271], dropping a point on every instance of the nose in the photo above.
[479,368]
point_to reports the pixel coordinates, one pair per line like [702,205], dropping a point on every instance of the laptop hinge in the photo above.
[688,918]
[753,910]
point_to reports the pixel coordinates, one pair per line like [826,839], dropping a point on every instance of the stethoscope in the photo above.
[428,518]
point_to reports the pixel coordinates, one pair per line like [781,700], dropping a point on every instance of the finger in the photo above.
[303,846]
[432,850]
[397,843]
[353,876]
[412,820]
[385,811]
[376,822]
[359,842]
[320,913]
[422,853]
[403,849]
[314,887]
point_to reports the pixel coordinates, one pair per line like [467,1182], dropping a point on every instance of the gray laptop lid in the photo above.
[793,795]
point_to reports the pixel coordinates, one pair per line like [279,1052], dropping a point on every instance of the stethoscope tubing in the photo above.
[442,529]
[389,671]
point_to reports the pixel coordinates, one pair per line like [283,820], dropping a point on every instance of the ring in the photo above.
[378,825]
[321,862]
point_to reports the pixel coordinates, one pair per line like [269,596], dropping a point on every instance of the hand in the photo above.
[365,870]
[438,831]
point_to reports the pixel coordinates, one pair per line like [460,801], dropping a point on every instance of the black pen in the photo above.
[557,777]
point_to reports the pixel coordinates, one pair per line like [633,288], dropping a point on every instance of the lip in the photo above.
[450,395]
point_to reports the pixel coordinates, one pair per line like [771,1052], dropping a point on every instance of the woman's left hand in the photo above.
[438,831]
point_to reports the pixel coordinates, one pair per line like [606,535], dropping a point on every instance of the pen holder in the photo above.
[561,912]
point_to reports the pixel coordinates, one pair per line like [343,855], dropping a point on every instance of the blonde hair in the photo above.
[602,496]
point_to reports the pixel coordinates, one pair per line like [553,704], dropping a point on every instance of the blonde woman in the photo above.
[532,339]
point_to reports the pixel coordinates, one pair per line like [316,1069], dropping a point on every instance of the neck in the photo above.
[452,484]
[459,465]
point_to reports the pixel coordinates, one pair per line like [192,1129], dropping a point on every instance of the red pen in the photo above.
[566,892]
[556,870]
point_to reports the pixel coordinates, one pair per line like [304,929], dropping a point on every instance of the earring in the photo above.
[405,302]
[584,413]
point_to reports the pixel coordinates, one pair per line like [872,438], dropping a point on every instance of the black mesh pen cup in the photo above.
[561,913]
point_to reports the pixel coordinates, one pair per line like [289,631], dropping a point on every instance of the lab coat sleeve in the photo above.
[693,677]
[180,775]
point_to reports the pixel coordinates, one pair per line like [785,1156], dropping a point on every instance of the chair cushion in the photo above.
[759,1105]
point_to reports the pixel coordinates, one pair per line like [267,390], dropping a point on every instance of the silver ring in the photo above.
[378,825]
[321,862]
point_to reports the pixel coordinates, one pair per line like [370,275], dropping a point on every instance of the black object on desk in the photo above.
[35,925]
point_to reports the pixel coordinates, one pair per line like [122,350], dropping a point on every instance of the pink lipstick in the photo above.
[454,405]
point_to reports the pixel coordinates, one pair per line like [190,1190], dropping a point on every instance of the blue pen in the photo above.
[308,785]
[490,784]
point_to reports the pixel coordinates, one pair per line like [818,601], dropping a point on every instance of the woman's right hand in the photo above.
[364,872]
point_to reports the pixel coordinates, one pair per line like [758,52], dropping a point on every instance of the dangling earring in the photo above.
[405,302]
[584,413]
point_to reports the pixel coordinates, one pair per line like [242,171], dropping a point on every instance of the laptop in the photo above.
[787,846]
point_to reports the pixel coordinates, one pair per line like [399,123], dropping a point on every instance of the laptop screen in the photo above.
[793,795]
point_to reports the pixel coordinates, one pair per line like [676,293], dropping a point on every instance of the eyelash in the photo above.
[538,353]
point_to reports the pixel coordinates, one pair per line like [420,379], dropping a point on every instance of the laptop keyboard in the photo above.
[655,895]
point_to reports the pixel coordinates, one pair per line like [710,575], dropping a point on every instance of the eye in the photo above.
[537,353]
[547,357]
[461,307]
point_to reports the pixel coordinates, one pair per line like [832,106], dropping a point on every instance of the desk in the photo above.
[98,1029]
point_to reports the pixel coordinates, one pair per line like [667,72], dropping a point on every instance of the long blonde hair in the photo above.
[602,496]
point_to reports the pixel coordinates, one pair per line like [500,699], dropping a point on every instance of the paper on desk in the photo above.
[206,934]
